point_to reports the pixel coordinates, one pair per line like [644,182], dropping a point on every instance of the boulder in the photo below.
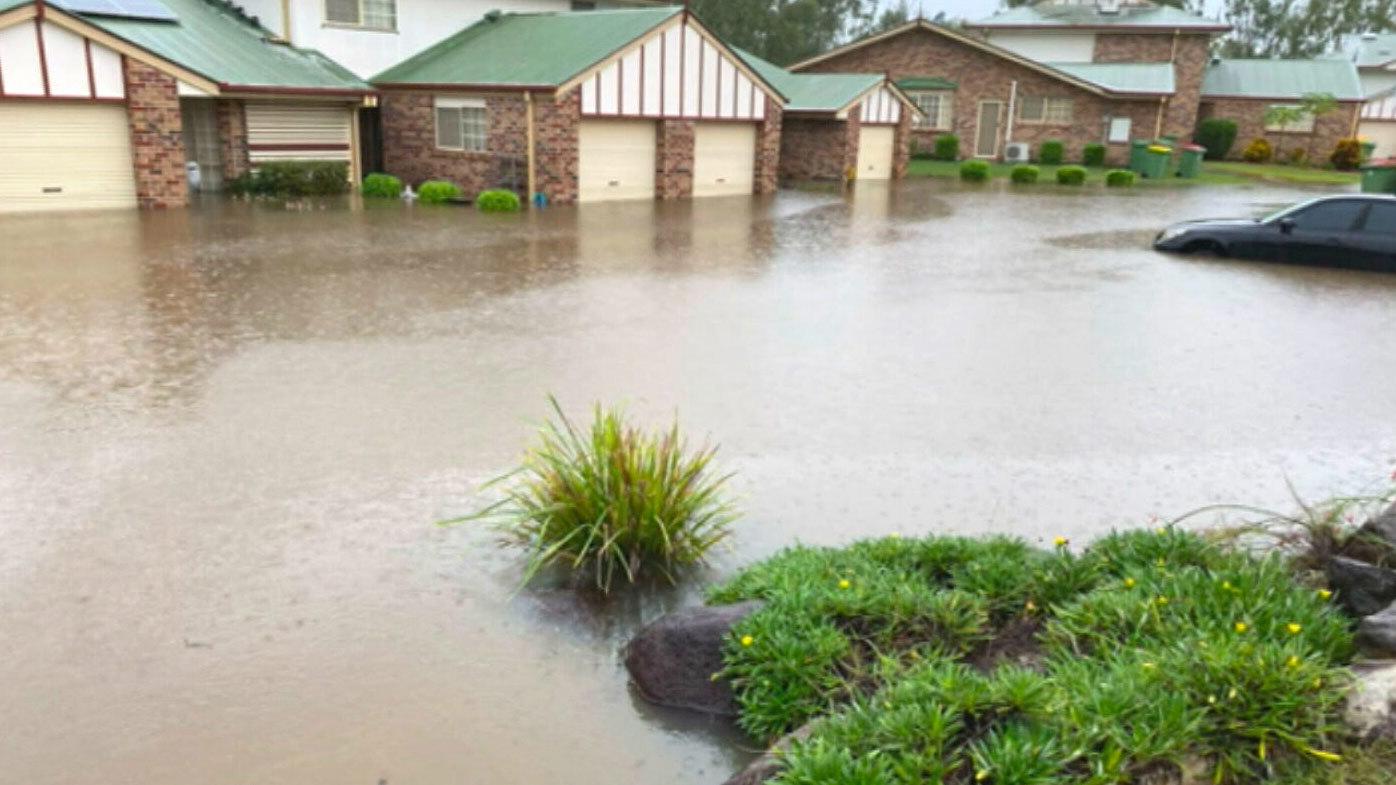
[1382,528]
[1376,634]
[768,765]
[1370,711]
[1362,589]
[672,660]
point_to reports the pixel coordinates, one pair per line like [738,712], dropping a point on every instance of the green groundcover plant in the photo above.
[382,185]
[437,191]
[974,171]
[497,200]
[955,660]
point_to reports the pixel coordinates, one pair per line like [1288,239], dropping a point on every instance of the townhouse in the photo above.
[1374,55]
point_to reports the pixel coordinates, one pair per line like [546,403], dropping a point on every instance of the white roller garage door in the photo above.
[617,160]
[64,156]
[875,152]
[1383,132]
[724,158]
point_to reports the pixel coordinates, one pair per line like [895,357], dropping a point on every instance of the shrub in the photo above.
[1071,175]
[1297,156]
[1217,134]
[1052,152]
[947,147]
[437,191]
[1258,151]
[292,179]
[1347,155]
[611,500]
[1024,173]
[497,201]
[1093,155]
[974,171]
[1119,178]
[382,185]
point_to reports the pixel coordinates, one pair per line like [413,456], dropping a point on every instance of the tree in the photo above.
[1312,106]
[1299,28]
[785,31]
[890,18]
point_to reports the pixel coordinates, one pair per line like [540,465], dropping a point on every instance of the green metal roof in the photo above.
[526,49]
[1282,79]
[1073,15]
[811,92]
[229,49]
[6,5]
[1151,78]
[926,83]
[1375,51]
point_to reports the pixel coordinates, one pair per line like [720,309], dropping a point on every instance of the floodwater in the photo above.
[225,434]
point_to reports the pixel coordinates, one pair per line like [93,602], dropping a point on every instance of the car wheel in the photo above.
[1204,248]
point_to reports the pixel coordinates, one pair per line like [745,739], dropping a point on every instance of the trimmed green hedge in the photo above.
[292,179]
[1217,134]
[947,147]
[437,191]
[1024,173]
[382,185]
[1119,178]
[497,200]
[1071,175]
[974,171]
[1051,153]
[1093,155]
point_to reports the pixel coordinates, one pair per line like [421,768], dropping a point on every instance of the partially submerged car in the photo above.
[1352,230]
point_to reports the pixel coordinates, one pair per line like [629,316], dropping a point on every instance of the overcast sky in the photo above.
[978,9]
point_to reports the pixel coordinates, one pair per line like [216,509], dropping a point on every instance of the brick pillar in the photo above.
[852,136]
[901,145]
[673,167]
[157,137]
[556,125]
[232,138]
[768,150]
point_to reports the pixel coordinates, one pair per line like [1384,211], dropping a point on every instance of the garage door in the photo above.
[875,152]
[1384,134]
[724,157]
[64,156]
[617,160]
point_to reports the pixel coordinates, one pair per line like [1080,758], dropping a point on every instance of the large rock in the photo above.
[1370,712]
[768,765]
[672,661]
[1382,528]
[1362,588]
[1376,634]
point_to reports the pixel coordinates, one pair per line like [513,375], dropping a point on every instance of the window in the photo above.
[1382,218]
[1047,111]
[1119,129]
[1336,216]
[460,124]
[939,108]
[583,5]
[368,14]
[1304,125]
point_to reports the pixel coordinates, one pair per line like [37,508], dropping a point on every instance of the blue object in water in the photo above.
[540,199]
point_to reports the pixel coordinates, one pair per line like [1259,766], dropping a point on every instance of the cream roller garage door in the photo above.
[1383,132]
[64,156]
[875,152]
[617,160]
[724,156]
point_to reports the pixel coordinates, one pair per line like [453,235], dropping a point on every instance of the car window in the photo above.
[1328,216]
[1382,218]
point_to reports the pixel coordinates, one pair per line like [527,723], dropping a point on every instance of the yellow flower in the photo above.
[1318,683]
[1293,661]
[1241,626]
[895,536]
[1148,666]
[1231,694]
[844,584]
[915,655]
[981,775]
[1226,585]
[1294,629]
[1060,542]
[1212,699]
[1129,583]
[747,640]
[1162,600]
[1031,606]
[1324,594]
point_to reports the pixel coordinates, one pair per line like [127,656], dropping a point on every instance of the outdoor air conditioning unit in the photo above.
[1017,152]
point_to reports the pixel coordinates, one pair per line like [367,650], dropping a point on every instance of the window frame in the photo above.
[460,104]
[1046,117]
[359,25]
[1305,126]
[945,110]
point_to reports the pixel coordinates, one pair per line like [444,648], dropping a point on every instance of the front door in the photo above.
[986,139]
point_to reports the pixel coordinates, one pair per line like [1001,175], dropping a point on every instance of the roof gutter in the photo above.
[459,87]
[225,88]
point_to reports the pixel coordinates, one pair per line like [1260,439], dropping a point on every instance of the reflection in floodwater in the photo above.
[225,434]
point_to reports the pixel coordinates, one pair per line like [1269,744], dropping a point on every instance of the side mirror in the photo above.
[1286,225]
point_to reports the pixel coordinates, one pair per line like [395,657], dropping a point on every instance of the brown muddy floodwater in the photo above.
[225,434]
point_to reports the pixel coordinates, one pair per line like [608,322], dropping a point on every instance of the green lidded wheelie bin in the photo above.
[1136,155]
[1156,160]
[1379,177]
[1190,162]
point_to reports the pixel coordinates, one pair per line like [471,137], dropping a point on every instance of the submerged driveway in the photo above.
[225,435]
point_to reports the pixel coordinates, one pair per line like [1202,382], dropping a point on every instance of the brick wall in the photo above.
[767,173]
[556,123]
[157,136]
[1249,115]
[901,145]
[673,173]
[232,137]
[1189,53]
[816,149]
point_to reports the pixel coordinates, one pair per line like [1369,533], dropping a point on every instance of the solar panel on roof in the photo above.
[121,9]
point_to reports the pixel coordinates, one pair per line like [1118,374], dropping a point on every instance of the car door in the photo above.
[1376,242]
[1324,233]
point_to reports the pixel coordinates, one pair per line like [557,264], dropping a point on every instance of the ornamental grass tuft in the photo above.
[611,501]
[961,660]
